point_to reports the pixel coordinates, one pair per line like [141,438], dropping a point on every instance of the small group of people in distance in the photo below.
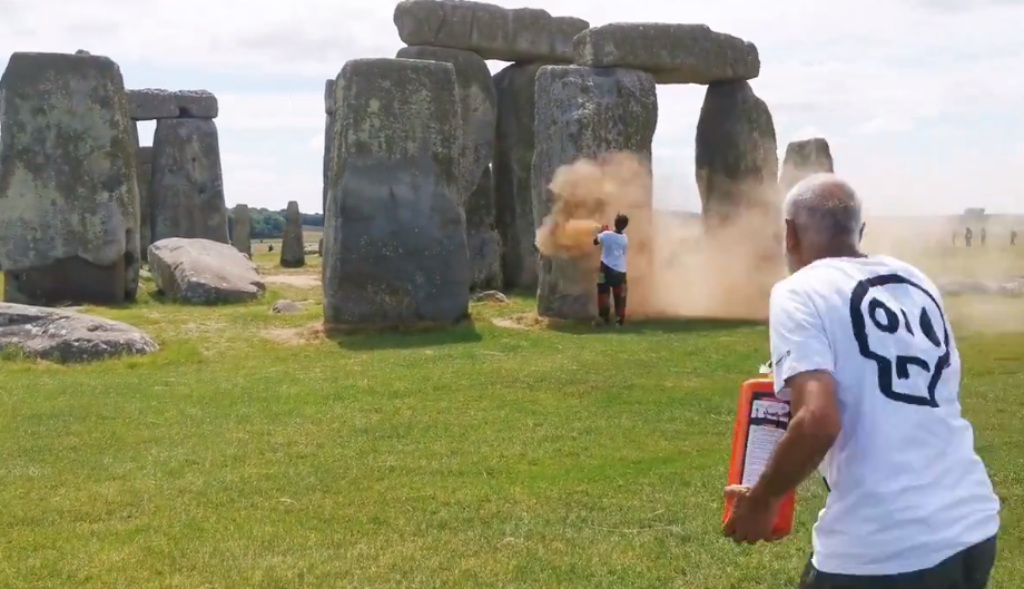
[983,236]
[863,351]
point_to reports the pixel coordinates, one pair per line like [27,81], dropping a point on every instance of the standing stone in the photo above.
[241,230]
[293,254]
[513,165]
[187,191]
[328,150]
[144,173]
[398,255]
[584,113]
[804,158]
[737,164]
[328,135]
[478,104]
[68,188]
[490,31]
[737,171]
[482,237]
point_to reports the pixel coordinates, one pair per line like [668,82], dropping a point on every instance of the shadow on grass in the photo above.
[398,338]
[659,326]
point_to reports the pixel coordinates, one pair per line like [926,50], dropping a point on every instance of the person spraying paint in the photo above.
[611,278]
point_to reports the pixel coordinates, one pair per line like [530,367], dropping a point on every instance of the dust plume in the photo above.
[675,267]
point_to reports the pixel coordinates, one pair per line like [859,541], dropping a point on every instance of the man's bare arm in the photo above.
[813,428]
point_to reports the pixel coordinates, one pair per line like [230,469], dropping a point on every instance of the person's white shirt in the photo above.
[907,489]
[613,249]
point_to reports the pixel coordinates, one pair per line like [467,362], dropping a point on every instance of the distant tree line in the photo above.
[268,224]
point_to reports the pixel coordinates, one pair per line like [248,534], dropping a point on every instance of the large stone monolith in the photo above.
[187,191]
[68,188]
[398,255]
[328,149]
[144,173]
[737,173]
[737,164]
[242,229]
[512,170]
[293,253]
[804,158]
[482,237]
[587,113]
[477,103]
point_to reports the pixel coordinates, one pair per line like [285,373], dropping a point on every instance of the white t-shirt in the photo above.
[613,249]
[907,489]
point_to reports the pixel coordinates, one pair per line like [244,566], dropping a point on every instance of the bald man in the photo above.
[862,348]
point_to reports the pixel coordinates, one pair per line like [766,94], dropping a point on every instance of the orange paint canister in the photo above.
[761,420]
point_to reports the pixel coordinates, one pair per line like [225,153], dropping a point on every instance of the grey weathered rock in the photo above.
[242,229]
[152,103]
[293,252]
[70,230]
[59,335]
[328,135]
[482,237]
[737,164]
[203,272]
[477,102]
[144,176]
[286,307]
[583,113]
[673,53]
[490,31]
[398,255]
[513,165]
[187,190]
[804,158]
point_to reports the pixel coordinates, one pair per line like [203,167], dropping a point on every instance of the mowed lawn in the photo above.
[253,452]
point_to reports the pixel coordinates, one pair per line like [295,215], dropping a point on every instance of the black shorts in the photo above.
[607,279]
[967,569]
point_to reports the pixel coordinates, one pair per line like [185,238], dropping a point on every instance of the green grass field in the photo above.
[253,452]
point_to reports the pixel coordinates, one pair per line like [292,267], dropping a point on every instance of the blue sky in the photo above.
[922,100]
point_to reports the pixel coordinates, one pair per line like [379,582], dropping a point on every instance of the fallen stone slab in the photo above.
[150,104]
[490,31]
[203,272]
[58,335]
[672,53]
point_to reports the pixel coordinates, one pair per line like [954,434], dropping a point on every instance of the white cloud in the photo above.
[896,86]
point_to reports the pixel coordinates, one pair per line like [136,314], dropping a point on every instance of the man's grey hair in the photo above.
[825,208]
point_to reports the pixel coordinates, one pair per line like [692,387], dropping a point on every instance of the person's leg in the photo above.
[619,294]
[977,564]
[603,295]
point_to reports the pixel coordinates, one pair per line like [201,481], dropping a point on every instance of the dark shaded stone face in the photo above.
[737,163]
[187,189]
[513,174]
[67,281]
[395,231]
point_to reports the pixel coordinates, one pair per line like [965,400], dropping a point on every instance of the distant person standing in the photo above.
[1013,237]
[984,235]
[863,350]
[611,278]
[968,236]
